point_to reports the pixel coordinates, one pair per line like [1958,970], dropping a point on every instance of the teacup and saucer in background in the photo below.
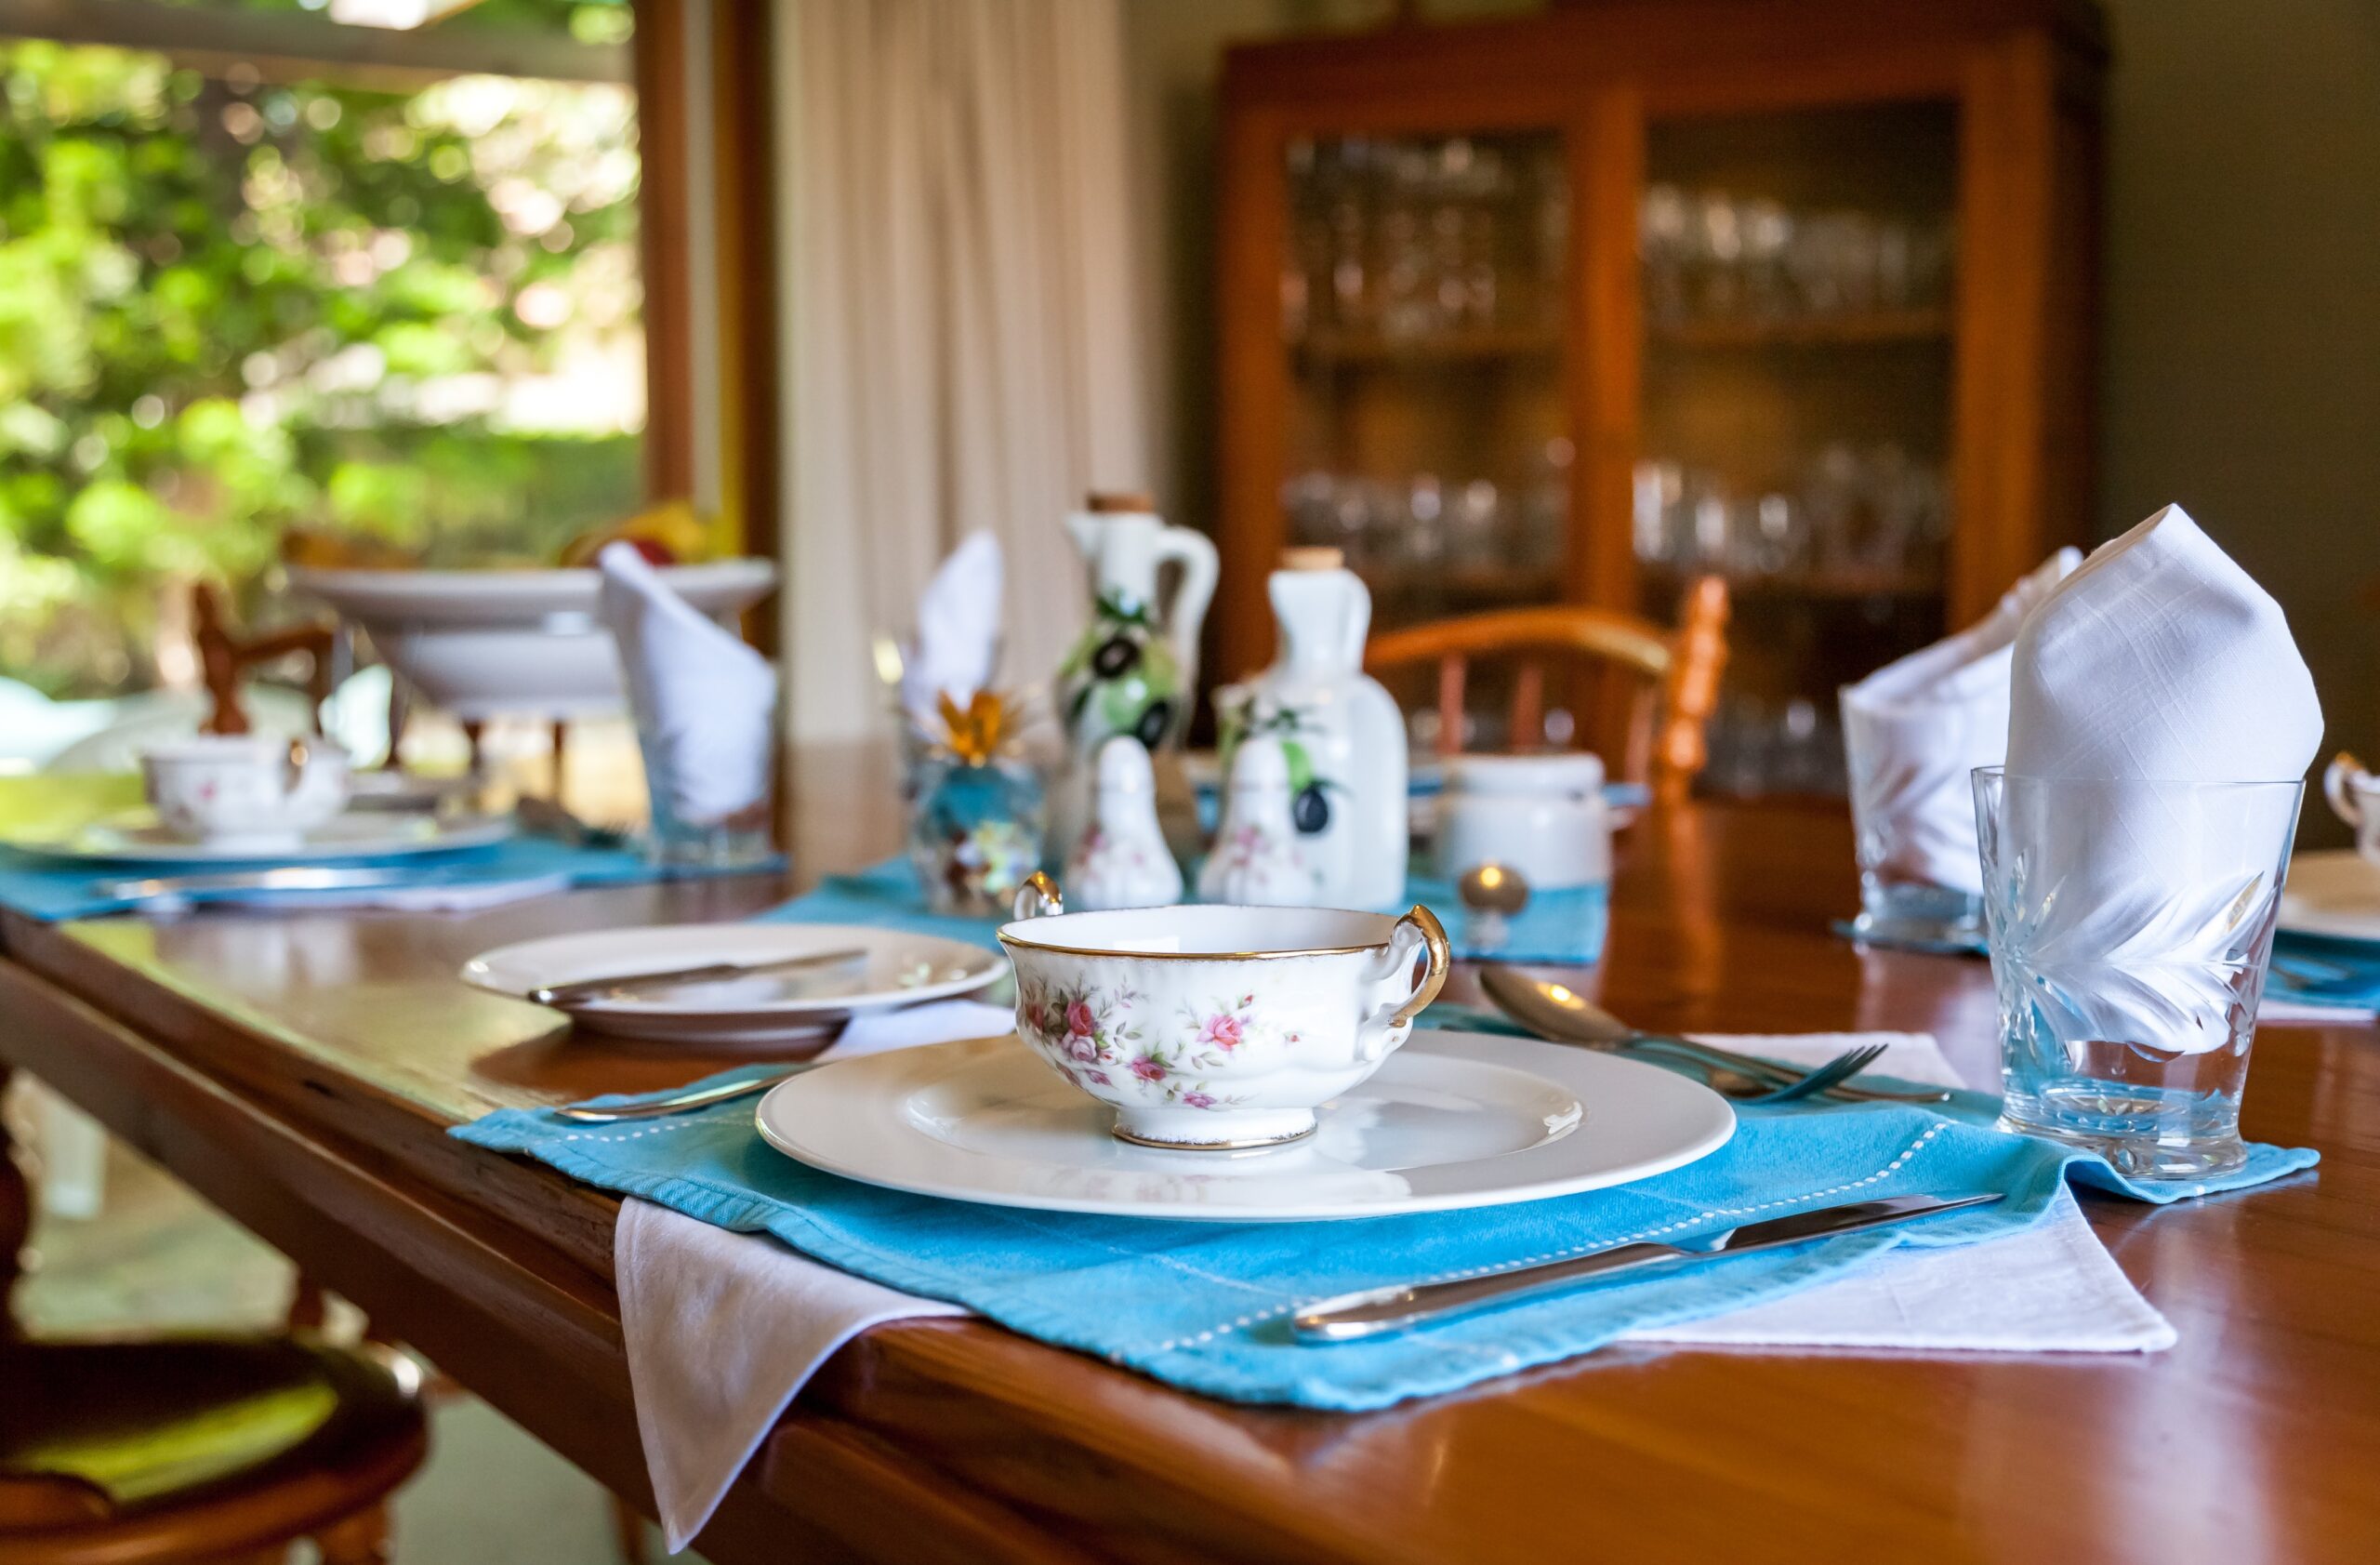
[246,793]
[1214,1027]
[2354,794]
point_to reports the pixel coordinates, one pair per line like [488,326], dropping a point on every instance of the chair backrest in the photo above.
[1668,678]
[224,657]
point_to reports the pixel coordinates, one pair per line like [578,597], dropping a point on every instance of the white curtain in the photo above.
[958,324]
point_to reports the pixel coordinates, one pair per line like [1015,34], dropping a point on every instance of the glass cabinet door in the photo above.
[1795,422]
[1424,295]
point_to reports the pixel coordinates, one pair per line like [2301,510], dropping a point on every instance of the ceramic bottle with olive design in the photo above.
[1341,734]
[1134,669]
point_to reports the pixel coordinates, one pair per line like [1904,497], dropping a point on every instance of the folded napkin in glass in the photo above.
[1206,1307]
[519,866]
[1556,927]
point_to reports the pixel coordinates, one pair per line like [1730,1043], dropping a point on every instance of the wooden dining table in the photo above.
[301,1070]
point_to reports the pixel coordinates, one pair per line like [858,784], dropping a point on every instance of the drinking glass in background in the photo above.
[1895,903]
[1713,255]
[1409,238]
[2127,1012]
[692,827]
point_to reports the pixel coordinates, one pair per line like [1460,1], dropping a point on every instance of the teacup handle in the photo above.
[1417,930]
[1037,897]
[2337,780]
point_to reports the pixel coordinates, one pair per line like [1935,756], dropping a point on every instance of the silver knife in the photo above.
[580,990]
[224,883]
[1380,1311]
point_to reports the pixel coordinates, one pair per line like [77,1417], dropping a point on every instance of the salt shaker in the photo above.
[1123,860]
[1256,861]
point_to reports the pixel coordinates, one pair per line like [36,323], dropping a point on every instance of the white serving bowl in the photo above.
[482,644]
[1217,1027]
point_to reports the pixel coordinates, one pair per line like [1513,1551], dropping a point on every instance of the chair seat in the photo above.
[192,1448]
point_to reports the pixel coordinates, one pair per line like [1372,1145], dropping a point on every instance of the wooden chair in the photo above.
[224,659]
[1669,678]
[198,1451]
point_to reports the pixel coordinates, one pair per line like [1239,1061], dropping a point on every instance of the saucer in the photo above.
[2335,893]
[895,969]
[367,834]
[1450,1120]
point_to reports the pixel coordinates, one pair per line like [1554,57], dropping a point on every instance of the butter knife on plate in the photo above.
[1382,1311]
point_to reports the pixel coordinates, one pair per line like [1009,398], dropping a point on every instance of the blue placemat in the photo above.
[50,890]
[1556,926]
[1205,1307]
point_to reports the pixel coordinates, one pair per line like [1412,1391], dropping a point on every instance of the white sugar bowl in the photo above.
[1542,815]
[244,792]
[1214,1027]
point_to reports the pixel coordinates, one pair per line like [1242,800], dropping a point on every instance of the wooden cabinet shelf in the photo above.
[1833,584]
[1335,350]
[1463,583]
[1816,331]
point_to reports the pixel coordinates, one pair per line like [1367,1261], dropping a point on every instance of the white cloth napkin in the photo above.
[723,1329]
[457,898]
[706,700]
[2051,1288]
[2158,661]
[958,634]
[1918,726]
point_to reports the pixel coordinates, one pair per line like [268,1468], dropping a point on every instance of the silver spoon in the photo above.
[1556,1011]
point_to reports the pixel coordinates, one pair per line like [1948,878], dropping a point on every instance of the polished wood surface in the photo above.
[300,1072]
[1675,676]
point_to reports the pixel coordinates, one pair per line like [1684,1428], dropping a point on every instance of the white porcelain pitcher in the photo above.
[1134,669]
[1125,544]
[1343,732]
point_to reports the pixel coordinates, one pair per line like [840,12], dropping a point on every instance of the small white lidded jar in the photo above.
[1542,815]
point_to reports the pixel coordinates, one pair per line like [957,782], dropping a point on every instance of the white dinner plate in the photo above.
[893,969]
[357,834]
[2334,893]
[1452,1120]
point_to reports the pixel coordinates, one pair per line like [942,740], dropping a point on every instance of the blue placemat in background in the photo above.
[51,889]
[1205,1305]
[1556,926]
[2318,970]
[2308,969]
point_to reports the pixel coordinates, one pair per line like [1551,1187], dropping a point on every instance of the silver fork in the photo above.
[1850,1063]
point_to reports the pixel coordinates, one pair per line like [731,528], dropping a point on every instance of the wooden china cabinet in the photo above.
[1574,306]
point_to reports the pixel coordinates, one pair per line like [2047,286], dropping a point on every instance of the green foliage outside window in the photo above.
[230,307]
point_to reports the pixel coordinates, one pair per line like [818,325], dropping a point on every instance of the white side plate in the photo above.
[894,969]
[1451,1121]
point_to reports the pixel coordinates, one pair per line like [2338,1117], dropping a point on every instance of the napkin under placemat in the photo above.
[1557,926]
[1203,1305]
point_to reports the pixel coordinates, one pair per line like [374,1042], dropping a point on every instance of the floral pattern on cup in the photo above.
[1094,1038]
